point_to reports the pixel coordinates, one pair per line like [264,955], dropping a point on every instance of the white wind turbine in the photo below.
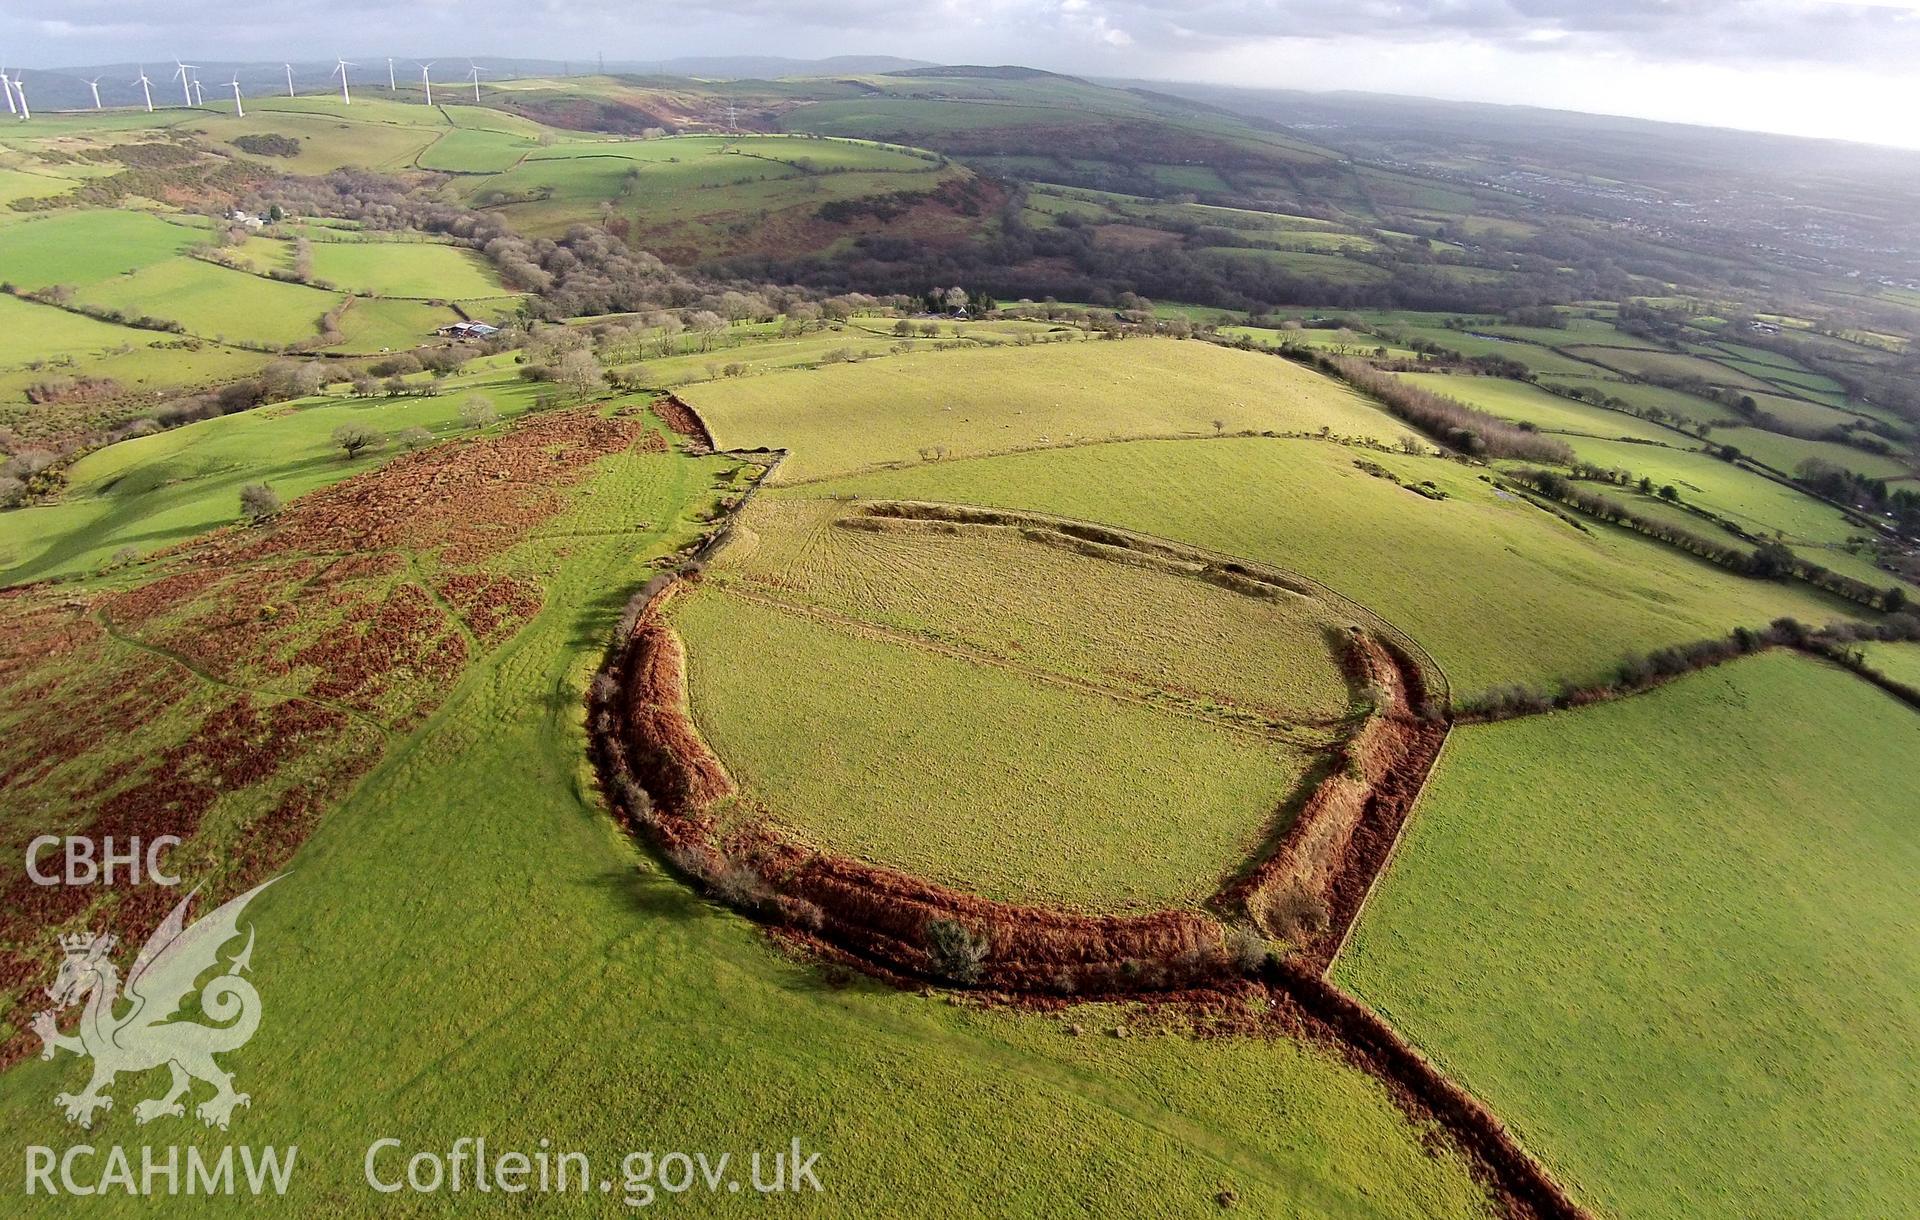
[94,85]
[20,90]
[146,87]
[473,74]
[6,87]
[289,68]
[340,70]
[186,80]
[427,81]
[199,94]
[239,111]
[391,86]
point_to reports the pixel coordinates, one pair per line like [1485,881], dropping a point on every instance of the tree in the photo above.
[414,438]
[580,372]
[258,501]
[707,325]
[477,411]
[354,438]
[953,952]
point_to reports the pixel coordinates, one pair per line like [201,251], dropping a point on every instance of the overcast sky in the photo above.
[1811,67]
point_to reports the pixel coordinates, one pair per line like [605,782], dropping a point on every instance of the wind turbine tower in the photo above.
[20,88]
[473,74]
[239,111]
[94,85]
[186,82]
[199,94]
[340,70]
[289,68]
[146,87]
[6,87]
[427,81]
[391,86]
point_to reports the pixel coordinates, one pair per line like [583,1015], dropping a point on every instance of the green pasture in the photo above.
[1671,941]
[474,151]
[1544,599]
[156,490]
[472,898]
[1640,363]
[959,771]
[1763,505]
[1901,662]
[87,248]
[950,404]
[1785,453]
[422,270]
[215,302]
[1529,404]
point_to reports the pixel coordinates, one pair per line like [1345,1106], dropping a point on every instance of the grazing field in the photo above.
[81,249]
[152,491]
[455,975]
[943,405]
[1763,505]
[1523,403]
[1108,770]
[974,775]
[1672,942]
[423,270]
[215,302]
[1785,453]
[678,189]
[464,151]
[379,325]
[1668,364]
[1005,597]
[1901,662]
[1546,600]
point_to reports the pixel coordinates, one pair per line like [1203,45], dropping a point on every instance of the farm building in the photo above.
[467,330]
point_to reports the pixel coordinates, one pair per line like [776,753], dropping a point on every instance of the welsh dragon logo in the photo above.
[141,1028]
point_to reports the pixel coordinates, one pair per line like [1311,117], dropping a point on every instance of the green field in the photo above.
[381,937]
[968,403]
[1901,662]
[1785,453]
[1764,506]
[422,270]
[1543,600]
[1672,942]
[954,770]
[215,302]
[81,249]
[1668,364]
[1523,403]
[808,632]
[677,189]
[156,490]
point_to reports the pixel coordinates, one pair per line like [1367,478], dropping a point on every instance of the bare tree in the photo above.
[258,501]
[580,372]
[477,411]
[355,438]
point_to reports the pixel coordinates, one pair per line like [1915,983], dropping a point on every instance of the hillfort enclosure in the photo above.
[950,640]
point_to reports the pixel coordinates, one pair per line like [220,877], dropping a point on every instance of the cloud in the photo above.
[1860,52]
[1722,31]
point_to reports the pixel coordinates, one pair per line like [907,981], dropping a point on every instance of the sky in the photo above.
[1838,68]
